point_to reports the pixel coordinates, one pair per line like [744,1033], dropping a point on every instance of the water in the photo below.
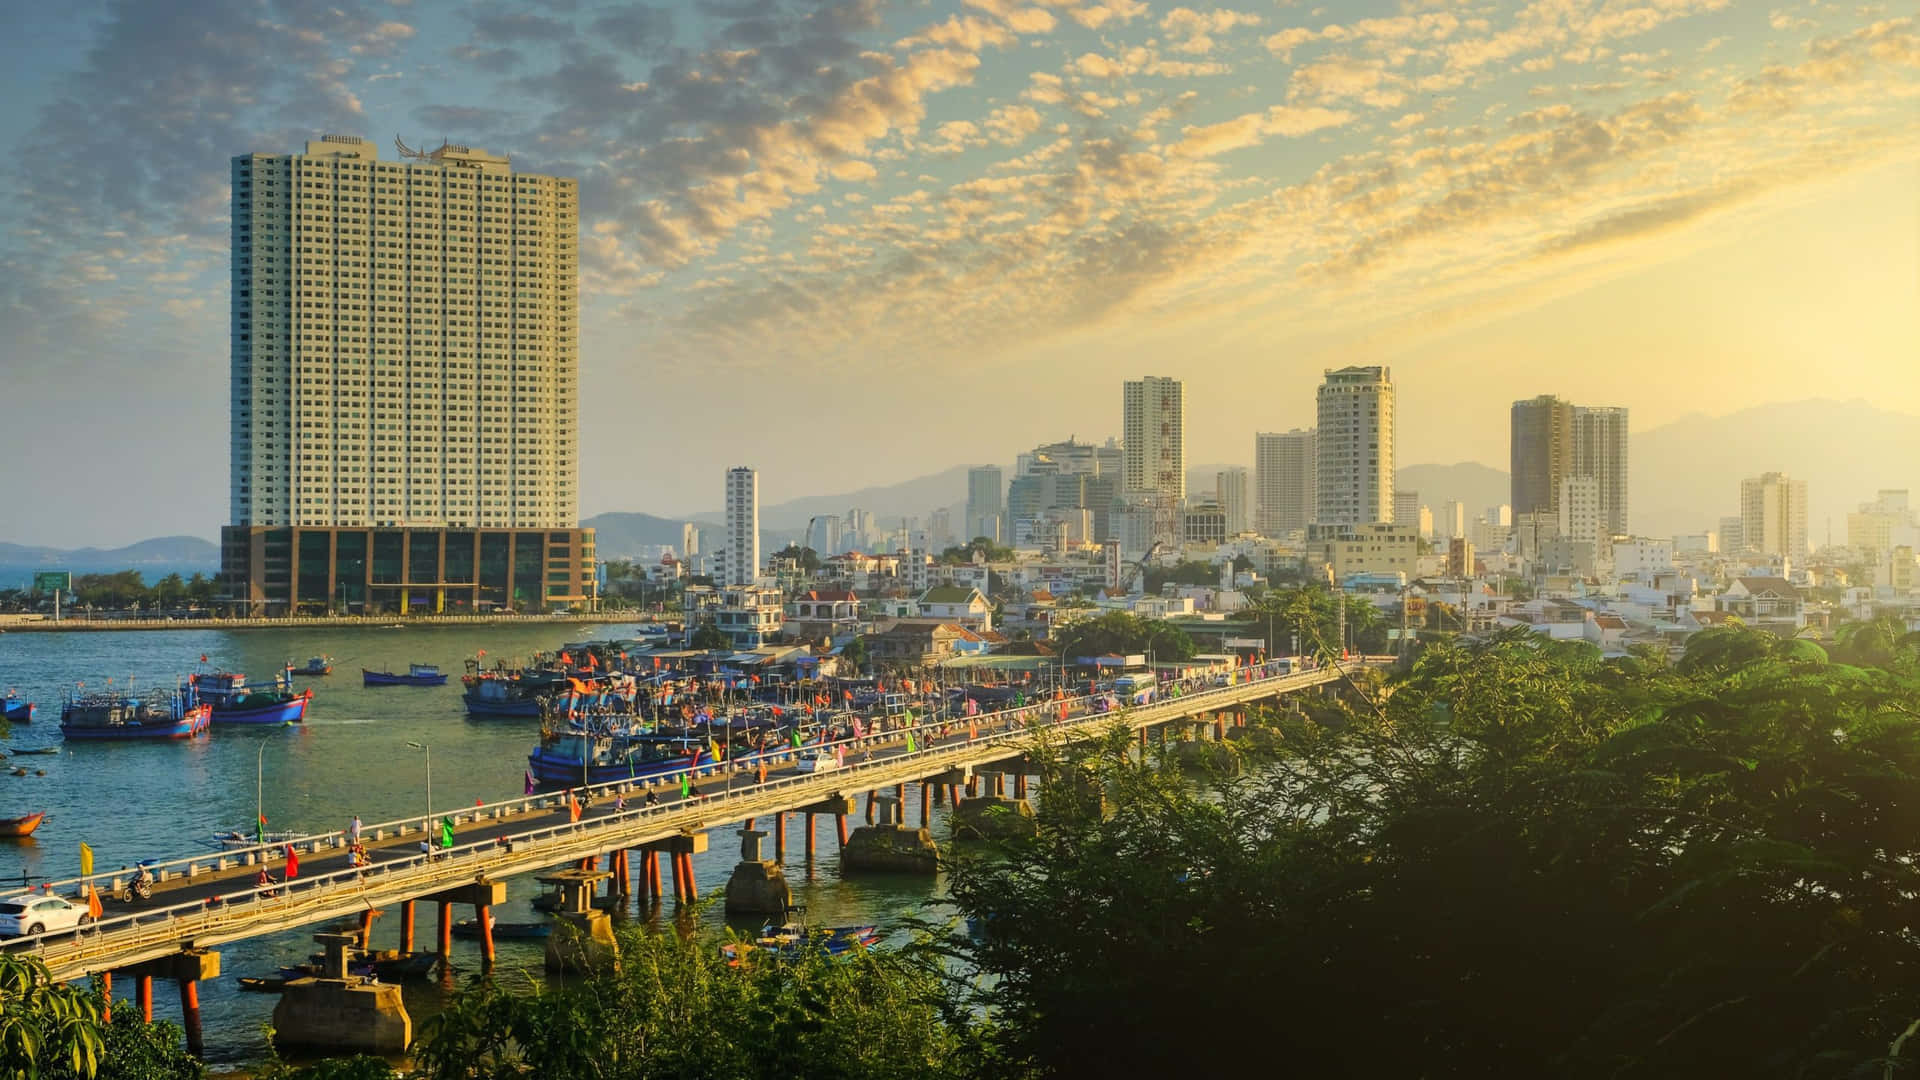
[133,801]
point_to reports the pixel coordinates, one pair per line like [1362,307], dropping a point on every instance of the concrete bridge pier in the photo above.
[406,926]
[757,887]
[890,847]
[780,838]
[683,848]
[334,1012]
[582,935]
[185,968]
[809,840]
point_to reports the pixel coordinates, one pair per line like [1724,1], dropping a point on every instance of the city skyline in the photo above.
[1225,215]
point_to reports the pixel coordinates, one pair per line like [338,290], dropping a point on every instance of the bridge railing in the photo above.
[1047,713]
[249,904]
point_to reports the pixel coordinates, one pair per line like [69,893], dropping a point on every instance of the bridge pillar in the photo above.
[953,796]
[926,804]
[106,991]
[365,940]
[483,914]
[900,798]
[335,1012]
[406,926]
[870,797]
[889,847]
[841,819]
[810,841]
[582,934]
[973,786]
[780,838]
[143,993]
[1020,785]
[653,876]
[190,1017]
[446,932]
[757,886]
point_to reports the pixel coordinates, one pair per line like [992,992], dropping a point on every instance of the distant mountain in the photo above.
[1686,475]
[624,536]
[156,558]
[1477,486]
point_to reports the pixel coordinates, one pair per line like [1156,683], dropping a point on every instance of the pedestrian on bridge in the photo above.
[353,832]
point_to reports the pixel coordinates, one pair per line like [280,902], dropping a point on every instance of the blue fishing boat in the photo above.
[235,702]
[113,715]
[416,675]
[506,696]
[316,666]
[15,710]
[578,757]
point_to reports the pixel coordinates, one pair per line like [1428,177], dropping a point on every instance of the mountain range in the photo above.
[1684,477]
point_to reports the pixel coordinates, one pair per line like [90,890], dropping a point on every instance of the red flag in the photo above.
[656,661]
[203,658]
[293,863]
[777,711]
[483,652]
[755,678]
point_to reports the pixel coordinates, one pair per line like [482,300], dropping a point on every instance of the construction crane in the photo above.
[1137,571]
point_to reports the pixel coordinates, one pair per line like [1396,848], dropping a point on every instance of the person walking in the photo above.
[353,832]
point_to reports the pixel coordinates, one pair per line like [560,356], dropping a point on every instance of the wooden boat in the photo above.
[235,702]
[470,928]
[416,675]
[316,666]
[16,710]
[263,984]
[118,716]
[26,751]
[21,826]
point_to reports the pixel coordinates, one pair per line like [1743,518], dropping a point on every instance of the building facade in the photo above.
[1406,507]
[985,487]
[742,558]
[1551,439]
[404,364]
[277,570]
[1233,490]
[1600,451]
[1284,465]
[1773,515]
[1153,438]
[1353,439]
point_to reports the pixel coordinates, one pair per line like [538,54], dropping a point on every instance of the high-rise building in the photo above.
[1882,525]
[1540,445]
[404,390]
[1773,515]
[1284,464]
[689,540]
[1581,519]
[1600,451]
[1452,522]
[1731,536]
[985,488]
[1233,490]
[1354,441]
[742,564]
[1153,438]
[1406,506]
[1552,439]
[940,529]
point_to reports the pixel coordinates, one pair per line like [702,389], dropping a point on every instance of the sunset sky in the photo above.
[853,242]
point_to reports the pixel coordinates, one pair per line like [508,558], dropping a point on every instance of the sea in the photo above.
[134,801]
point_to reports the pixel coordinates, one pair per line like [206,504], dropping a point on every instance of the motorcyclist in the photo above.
[143,883]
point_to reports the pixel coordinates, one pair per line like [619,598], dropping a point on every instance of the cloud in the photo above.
[1011,124]
[1250,129]
[1192,30]
[1095,16]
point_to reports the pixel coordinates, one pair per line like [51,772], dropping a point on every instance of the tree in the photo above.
[1121,633]
[46,1026]
[805,558]
[854,654]
[709,636]
[979,545]
[1183,573]
[1525,861]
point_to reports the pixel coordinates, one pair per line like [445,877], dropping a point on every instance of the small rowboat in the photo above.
[470,928]
[21,826]
[263,984]
[36,750]
[316,666]
[16,711]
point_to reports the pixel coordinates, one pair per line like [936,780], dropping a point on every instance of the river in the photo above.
[133,801]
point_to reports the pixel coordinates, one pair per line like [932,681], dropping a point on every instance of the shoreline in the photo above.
[374,622]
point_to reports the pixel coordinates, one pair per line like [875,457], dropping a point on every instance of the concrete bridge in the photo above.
[206,900]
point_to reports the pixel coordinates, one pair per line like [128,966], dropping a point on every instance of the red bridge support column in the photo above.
[106,991]
[446,932]
[190,1017]
[809,841]
[143,992]
[406,926]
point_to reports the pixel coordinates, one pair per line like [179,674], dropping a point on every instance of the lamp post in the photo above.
[426,824]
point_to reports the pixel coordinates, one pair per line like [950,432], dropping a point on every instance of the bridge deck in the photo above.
[521,836]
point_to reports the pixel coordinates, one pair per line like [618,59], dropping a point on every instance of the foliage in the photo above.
[1311,616]
[854,654]
[1182,573]
[359,1067]
[47,1028]
[121,590]
[137,1050]
[805,558]
[1525,861]
[978,546]
[673,1008]
[709,636]
[1119,632]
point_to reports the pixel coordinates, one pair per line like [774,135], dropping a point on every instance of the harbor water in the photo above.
[139,800]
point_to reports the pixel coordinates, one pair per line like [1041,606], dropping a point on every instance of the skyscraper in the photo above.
[1234,493]
[1284,464]
[1773,515]
[985,487]
[404,362]
[1153,438]
[1406,507]
[1354,443]
[1540,448]
[1552,439]
[742,563]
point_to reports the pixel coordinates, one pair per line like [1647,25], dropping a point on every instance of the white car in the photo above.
[814,761]
[40,914]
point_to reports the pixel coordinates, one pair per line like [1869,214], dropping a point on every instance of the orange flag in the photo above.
[573,808]
[93,902]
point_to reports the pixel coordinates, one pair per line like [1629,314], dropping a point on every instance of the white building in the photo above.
[1581,518]
[742,563]
[1641,558]
[1354,442]
[1233,489]
[404,340]
[1451,523]
[1153,438]
[986,486]
[1773,515]
[1284,464]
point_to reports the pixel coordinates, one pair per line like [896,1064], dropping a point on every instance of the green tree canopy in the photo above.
[709,636]
[1122,633]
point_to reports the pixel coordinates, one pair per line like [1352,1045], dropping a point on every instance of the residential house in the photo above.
[951,603]
[916,642]
[750,615]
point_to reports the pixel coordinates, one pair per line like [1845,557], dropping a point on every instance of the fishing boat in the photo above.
[315,666]
[507,696]
[793,939]
[470,928]
[116,715]
[416,675]
[263,984]
[16,711]
[35,750]
[235,702]
[234,839]
[578,757]
[21,826]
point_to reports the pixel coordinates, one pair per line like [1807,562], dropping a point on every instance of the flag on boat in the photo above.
[529,787]
[446,832]
[796,738]
[86,860]
[293,863]
[715,747]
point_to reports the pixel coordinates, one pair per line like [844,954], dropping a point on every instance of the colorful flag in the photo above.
[686,784]
[260,830]
[86,860]
[796,738]
[763,770]
[293,863]
[910,747]
[529,788]
[446,832]
[573,807]
[715,747]
[93,902]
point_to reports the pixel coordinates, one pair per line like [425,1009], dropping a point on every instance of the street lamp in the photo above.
[426,825]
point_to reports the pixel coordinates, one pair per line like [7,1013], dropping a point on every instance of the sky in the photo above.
[849,242]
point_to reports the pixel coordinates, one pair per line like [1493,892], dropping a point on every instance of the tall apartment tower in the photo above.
[1153,438]
[742,562]
[1552,439]
[1354,442]
[1773,515]
[986,487]
[404,354]
[1233,488]
[1541,451]
[1284,465]
[1406,507]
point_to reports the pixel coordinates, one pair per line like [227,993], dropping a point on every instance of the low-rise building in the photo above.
[1376,548]
[916,642]
[750,615]
[951,603]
